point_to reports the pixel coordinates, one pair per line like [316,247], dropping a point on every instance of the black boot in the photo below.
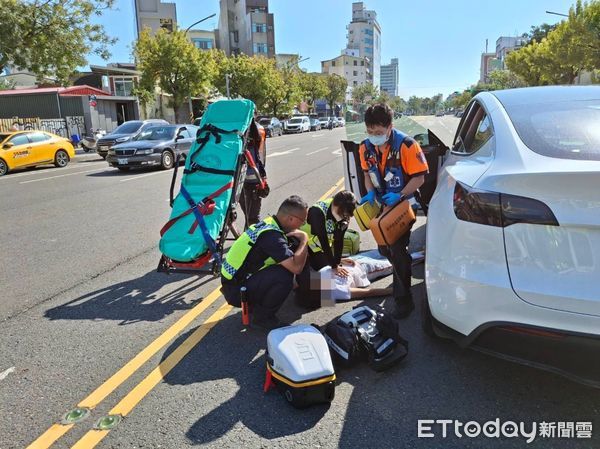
[404,305]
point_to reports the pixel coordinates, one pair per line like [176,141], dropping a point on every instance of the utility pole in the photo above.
[227,77]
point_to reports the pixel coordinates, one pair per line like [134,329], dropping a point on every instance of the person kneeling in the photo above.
[264,259]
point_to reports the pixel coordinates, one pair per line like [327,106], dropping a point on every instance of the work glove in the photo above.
[370,197]
[391,198]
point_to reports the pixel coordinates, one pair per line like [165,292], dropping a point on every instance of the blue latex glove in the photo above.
[391,199]
[370,197]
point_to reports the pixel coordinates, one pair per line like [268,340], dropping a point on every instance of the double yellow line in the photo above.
[128,403]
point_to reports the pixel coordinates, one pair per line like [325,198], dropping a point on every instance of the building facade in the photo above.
[389,78]
[352,68]
[246,26]
[506,44]
[364,35]
[203,39]
[497,60]
[155,14]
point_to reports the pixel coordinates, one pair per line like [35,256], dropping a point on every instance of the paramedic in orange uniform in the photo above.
[394,168]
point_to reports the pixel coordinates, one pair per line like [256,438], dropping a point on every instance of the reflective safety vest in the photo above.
[313,241]
[237,254]
[392,179]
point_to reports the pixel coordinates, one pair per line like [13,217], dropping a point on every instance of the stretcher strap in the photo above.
[210,130]
[194,167]
[202,206]
[200,219]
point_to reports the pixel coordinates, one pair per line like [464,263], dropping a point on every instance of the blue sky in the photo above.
[438,42]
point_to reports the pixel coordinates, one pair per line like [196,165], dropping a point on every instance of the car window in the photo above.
[38,137]
[157,133]
[475,131]
[564,129]
[462,129]
[128,128]
[19,139]
[185,133]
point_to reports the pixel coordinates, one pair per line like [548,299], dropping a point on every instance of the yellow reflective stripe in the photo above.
[308,383]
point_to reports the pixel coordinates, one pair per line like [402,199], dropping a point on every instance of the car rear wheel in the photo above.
[167,160]
[61,158]
[3,168]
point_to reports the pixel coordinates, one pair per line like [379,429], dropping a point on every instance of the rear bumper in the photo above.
[566,353]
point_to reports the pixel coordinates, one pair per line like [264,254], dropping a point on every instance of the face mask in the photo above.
[377,140]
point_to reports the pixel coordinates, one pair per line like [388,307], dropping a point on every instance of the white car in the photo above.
[324,122]
[299,124]
[513,231]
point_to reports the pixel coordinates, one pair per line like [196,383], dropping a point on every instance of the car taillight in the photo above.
[499,209]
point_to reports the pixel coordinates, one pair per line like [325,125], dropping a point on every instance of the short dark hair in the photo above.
[292,204]
[379,114]
[346,201]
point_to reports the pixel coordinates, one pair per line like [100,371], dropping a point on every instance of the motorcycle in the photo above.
[88,142]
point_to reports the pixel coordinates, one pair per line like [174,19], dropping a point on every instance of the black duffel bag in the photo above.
[365,334]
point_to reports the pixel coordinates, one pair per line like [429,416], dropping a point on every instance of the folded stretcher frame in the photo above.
[204,212]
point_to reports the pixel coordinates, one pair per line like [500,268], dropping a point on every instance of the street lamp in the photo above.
[199,21]
[557,13]
[185,32]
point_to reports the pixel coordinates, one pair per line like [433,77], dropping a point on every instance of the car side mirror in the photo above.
[8,145]
[422,139]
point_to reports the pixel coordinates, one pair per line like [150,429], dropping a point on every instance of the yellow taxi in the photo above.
[21,149]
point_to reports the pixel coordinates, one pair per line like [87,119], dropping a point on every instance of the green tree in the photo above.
[383,97]
[336,90]
[539,32]
[415,104]
[51,38]
[560,57]
[363,93]
[505,79]
[253,77]
[171,61]
[461,101]
[398,104]
[314,87]
[292,89]
[277,92]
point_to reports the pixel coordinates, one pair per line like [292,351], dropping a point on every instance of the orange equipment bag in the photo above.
[393,223]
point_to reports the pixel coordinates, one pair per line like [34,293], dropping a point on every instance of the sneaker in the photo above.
[403,307]
[266,323]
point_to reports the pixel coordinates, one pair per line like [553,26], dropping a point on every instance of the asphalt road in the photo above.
[86,320]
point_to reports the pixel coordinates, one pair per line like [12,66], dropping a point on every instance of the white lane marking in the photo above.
[133,178]
[319,150]
[75,166]
[282,153]
[62,176]
[6,373]
[337,152]
[317,135]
